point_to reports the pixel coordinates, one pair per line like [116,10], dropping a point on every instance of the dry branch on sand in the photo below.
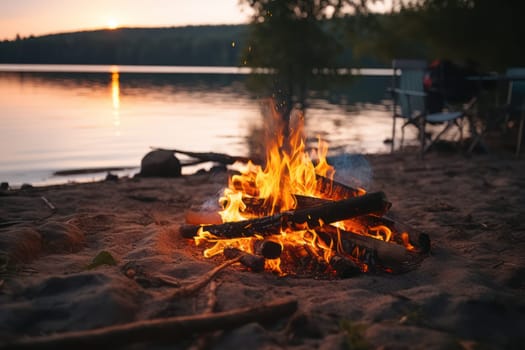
[165,330]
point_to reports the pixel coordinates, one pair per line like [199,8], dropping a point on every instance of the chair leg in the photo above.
[402,137]
[460,127]
[459,124]
[449,124]
[393,134]
[422,136]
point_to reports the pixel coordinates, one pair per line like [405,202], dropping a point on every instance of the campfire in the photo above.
[290,217]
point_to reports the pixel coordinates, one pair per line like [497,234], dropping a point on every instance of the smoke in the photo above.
[352,169]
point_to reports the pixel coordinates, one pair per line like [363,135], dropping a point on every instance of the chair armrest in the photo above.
[409,92]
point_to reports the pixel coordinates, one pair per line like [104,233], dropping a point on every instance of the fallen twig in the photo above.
[158,330]
[205,339]
[202,281]
[212,298]
[11,223]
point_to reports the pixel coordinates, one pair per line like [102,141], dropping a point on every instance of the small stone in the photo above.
[130,273]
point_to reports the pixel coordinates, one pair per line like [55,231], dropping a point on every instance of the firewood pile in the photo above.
[292,218]
[259,240]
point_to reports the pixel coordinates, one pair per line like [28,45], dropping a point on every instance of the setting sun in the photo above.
[112,24]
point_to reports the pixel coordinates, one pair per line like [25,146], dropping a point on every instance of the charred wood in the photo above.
[257,206]
[254,262]
[267,248]
[327,189]
[330,189]
[371,250]
[344,267]
[371,203]
[418,239]
[317,263]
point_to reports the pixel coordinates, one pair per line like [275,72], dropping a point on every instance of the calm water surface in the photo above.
[107,116]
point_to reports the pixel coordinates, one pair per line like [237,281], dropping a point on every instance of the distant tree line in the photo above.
[296,36]
[192,45]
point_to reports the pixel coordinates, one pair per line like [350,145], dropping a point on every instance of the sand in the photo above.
[469,293]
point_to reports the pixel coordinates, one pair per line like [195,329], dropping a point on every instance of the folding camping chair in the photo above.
[410,105]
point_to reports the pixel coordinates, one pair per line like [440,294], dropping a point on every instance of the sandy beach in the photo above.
[468,294]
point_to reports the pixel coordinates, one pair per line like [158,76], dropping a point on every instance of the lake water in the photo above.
[73,117]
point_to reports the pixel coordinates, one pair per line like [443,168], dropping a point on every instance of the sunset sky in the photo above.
[38,17]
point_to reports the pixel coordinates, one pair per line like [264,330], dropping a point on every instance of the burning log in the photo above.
[254,262]
[418,239]
[384,253]
[267,248]
[326,188]
[256,205]
[371,203]
[403,233]
[314,255]
[344,267]
[335,190]
[158,331]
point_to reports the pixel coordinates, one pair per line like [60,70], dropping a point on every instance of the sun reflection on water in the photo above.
[115,97]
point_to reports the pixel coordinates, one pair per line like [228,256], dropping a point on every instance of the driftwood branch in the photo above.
[208,156]
[371,203]
[159,330]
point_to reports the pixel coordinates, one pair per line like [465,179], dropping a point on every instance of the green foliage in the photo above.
[480,31]
[355,339]
[102,258]
[294,38]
